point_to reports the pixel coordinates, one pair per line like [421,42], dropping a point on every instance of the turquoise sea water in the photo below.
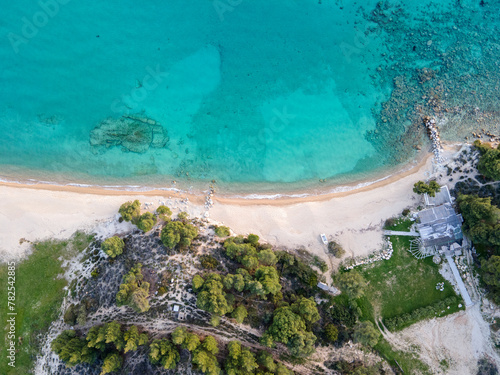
[269,94]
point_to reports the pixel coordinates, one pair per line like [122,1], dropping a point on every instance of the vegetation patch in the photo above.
[403,284]
[39,294]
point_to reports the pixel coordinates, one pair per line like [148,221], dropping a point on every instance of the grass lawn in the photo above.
[39,293]
[403,283]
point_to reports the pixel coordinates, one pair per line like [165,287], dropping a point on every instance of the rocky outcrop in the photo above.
[132,133]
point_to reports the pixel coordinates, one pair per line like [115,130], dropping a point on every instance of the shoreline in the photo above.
[277,199]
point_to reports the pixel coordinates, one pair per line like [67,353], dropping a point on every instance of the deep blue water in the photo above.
[270,93]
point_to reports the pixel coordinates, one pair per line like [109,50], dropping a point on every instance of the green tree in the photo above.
[176,233]
[240,313]
[96,338]
[431,189]
[238,282]
[489,164]
[285,325]
[331,332]
[222,231]
[269,278]
[210,345]
[302,344]
[267,257]
[253,239]
[336,249]
[146,221]
[191,342]
[490,270]
[239,361]
[183,216]
[206,362]
[366,334]
[112,362]
[211,297]
[130,210]
[113,246]
[351,283]
[306,308]
[197,282]
[73,350]
[265,359]
[249,262]
[114,335]
[164,353]
[282,370]
[164,213]
[179,335]
[134,339]
[133,291]
[481,219]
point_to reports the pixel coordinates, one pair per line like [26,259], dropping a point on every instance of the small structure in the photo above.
[440,227]
[329,289]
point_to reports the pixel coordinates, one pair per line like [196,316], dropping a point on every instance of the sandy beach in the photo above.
[354,218]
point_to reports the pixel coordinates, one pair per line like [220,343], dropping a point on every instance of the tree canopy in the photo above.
[240,361]
[222,231]
[366,334]
[481,219]
[113,246]
[130,210]
[164,212]
[351,283]
[431,189]
[306,308]
[133,291]
[489,162]
[178,233]
[164,353]
[211,297]
[490,270]
[146,221]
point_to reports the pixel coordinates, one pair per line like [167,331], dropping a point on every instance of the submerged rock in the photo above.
[133,133]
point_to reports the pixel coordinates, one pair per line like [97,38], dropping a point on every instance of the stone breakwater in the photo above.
[433,133]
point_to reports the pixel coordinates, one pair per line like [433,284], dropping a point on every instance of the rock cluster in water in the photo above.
[448,70]
[132,133]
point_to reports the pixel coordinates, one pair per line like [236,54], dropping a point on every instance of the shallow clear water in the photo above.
[273,94]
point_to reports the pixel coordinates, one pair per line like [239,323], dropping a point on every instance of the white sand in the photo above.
[353,218]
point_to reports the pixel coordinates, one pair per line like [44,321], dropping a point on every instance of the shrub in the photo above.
[164,213]
[208,262]
[222,231]
[113,246]
[331,332]
[336,249]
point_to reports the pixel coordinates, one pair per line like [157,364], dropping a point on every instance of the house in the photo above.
[439,226]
